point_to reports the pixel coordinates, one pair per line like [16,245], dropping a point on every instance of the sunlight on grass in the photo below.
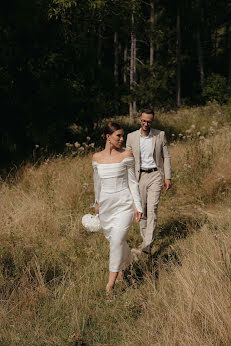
[53,273]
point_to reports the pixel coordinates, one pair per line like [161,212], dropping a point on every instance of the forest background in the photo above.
[66,62]
[66,67]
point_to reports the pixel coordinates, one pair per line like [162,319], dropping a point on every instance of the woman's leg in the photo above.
[120,275]
[111,281]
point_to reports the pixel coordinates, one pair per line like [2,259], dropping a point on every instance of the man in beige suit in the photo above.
[153,170]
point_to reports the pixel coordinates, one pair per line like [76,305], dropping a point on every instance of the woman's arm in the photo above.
[97,187]
[133,185]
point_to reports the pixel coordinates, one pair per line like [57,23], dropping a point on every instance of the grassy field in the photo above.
[53,273]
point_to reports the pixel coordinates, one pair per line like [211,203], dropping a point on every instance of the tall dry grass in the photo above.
[53,273]
[189,304]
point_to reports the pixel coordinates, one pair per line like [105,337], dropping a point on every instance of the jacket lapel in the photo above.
[137,144]
[153,140]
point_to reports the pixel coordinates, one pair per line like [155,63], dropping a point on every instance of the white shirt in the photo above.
[146,156]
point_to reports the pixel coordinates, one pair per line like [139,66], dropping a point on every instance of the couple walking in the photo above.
[124,178]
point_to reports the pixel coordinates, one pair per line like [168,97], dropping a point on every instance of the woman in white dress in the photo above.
[117,198]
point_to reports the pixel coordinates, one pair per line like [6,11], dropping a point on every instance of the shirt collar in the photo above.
[149,135]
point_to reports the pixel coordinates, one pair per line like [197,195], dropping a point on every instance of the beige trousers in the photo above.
[150,185]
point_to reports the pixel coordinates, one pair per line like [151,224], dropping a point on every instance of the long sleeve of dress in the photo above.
[97,184]
[133,184]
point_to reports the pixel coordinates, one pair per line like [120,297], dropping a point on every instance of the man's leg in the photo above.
[153,197]
[153,190]
[143,195]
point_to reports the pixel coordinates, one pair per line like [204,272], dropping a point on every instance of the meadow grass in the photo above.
[53,273]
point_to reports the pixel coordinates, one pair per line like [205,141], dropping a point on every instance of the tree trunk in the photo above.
[152,27]
[131,68]
[116,70]
[199,47]
[116,59]
[99,52]
[178,60]
[134,73]
[125,64]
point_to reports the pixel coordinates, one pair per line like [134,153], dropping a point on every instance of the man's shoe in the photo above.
[135,253]
[147,250]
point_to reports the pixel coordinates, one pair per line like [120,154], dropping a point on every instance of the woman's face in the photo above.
[117,138]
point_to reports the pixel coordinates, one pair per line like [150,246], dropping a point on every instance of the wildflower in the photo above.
[88,138]
[204,271]
[214,123]
[203,127]
[180,135]
[68,144]
[92,145]
[193,126]
[73,128]
[188,131]
[201,137]
[189,136]
[173,135]
[184,137]
[220,177]
[198,133]
[36,146]
[81,149]
[76,144]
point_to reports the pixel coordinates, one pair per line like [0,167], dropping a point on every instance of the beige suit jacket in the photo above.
[160,152]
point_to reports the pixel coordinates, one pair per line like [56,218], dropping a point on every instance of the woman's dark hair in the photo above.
[110,128]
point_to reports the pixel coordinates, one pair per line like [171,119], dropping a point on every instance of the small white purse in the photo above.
[91,222]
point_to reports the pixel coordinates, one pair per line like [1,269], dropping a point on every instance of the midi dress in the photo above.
[117,193]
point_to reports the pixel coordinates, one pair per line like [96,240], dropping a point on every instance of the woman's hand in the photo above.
[96,208]
[138,215]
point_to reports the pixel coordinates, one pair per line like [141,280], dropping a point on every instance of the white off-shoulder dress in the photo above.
[117,192]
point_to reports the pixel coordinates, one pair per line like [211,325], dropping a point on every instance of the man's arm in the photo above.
[128,143]
[167,165]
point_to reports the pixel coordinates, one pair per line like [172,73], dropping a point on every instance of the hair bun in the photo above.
[109,129]
[103,137]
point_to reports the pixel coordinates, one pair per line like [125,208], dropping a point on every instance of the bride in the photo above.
[116,193]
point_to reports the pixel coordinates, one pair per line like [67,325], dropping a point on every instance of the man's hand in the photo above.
[167,184]
[96,208]
[138,215]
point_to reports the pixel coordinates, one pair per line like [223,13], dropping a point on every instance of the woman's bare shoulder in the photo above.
[96,156]
[127,153]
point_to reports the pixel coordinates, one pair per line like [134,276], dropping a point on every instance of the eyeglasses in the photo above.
[146,121]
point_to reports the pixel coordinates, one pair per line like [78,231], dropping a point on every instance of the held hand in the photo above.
[167,184]
[138,215]
[96,208]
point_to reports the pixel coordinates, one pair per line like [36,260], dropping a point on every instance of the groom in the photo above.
[153,169]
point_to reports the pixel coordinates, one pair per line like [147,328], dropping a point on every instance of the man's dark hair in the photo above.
[148,111]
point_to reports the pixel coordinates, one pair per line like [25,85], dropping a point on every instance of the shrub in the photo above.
[215,88]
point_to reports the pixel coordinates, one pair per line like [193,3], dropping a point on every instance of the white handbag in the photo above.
[91,222]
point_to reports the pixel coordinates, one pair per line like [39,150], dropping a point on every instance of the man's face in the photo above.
[146,121]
